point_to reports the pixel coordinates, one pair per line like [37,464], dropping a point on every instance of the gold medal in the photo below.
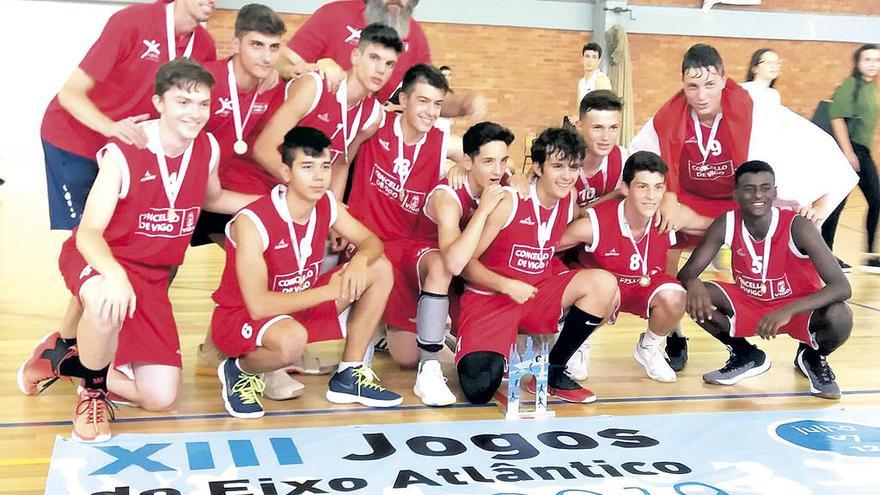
[762,290]
[644,280]
[240,147]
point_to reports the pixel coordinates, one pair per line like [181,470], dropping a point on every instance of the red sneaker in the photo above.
[91,417]
[563,387]
[41,369]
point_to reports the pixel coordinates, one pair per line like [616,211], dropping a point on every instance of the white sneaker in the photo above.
[431,385]
[578,367]
[281,386]
[654,362]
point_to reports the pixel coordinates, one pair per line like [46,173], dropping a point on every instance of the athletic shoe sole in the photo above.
[343,398]
[232,412]
[587,400]
[800,366]
[656,378]
[758,370]
[434,404]
[98,439]
[21,385]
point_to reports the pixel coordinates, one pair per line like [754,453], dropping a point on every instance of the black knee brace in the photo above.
[479,374]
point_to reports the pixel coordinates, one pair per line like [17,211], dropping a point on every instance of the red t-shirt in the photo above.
[335,29]
[240,172]
[389,191]
[123,63]
[271,216]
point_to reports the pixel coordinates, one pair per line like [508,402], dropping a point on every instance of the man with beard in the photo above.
[328,36]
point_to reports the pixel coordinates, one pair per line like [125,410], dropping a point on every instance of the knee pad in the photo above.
[479,374]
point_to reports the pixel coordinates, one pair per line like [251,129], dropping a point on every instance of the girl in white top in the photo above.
[764,68]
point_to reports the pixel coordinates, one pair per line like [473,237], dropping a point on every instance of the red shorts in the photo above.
[405,256]
[712,208]
[148,337]
[490,321]
[748,311]
[235,333]
[636,300]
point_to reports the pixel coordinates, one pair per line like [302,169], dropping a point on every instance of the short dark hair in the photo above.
[482,133]
[592,47]
[558,140]
[182,73]
[600,99]
[858,55]
[752,167]
[309,140]
[381,34]
[444,67]
[702,56]
[643,161]
[426,74]
[756,61]
[259,18]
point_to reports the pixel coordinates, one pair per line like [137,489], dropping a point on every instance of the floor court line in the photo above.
[313,412]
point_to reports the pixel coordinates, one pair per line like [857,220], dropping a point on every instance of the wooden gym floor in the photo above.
[33,298]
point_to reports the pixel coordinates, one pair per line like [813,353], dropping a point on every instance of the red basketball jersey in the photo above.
[141,229]
[614,249]
[392,180]
[123,63]
[326,115]
[516,251]
[426,227]
[605,180]
[789,273]
[712,178]
[240,172]
[283,241]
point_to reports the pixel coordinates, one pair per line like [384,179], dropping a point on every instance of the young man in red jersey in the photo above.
[442,242]
[272,300]
[137,224]
[619,236]
[512,285]
[785,281]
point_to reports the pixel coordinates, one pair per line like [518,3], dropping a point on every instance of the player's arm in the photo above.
[116,299]
[221,200]
[74,98]
[457,246]
[699,302]
[266,148]
[468,105]
[837,289]
[692,222]
[253,275]
[341,166]
[579,231]
[455,149]
[369,249]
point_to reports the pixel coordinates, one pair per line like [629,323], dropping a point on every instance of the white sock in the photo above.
[344,365]
[651,339]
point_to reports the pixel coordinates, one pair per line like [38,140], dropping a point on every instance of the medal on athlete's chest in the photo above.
[645,280]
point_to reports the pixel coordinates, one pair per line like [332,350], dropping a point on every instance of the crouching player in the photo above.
[272,300]
[618,236]
[779,264]
[512,285]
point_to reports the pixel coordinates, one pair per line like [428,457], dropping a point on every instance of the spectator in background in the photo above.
[764,68]
[854,112]
[593,77]
[447,72]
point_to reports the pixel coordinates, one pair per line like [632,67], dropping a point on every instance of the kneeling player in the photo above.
[512,285]
[271,300]
[778,260]
[618,236]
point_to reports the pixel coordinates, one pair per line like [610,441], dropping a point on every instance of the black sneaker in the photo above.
[676,351]
[871,265]
[844,266]
[739,367]
[815,367]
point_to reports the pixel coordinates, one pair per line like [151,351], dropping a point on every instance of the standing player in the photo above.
[444,239]
[137,224]
[271,300]
[513,287]
[778,261]
[599,124]
[340,114]
[619,236]
[594,79]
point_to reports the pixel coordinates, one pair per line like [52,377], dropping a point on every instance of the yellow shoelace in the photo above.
[367,379]
[249,388]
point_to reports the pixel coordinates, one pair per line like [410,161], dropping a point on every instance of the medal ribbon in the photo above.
[347,134]
[169,32]
[704,150]
[768,238]
[544,229]
[400,167]
[627,232]
[302,248]
[236,109]
[171,182]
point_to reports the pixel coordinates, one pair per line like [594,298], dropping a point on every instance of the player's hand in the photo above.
[492,195]
[522,183]
[770,324]
[699,302]
[456,176]
[115,298]
[353,279]
[338,243]
[810,214]
[473,107]
[518,291]
[853,160]
[331,72]
[667,216]
[127,130]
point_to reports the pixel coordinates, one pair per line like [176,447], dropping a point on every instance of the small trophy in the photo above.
[530,363]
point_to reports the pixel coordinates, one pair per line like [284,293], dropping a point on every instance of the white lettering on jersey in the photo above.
[530,259]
